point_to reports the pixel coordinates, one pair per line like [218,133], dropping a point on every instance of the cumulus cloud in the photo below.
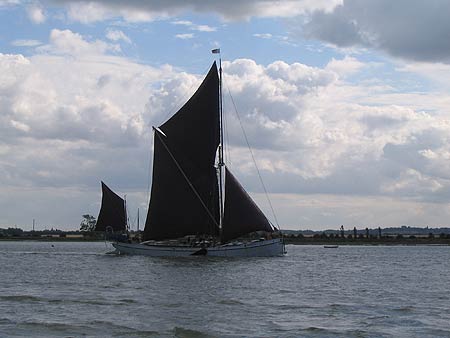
[415,30]
[36,13]
[345,67]
[195,27]
[117,35]
[313,132]
[70,43]
[184,36]
[65,112]
[263,35]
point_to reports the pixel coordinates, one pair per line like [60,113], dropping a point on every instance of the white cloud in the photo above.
[438,73]
[97,103]
[117,35]
[185,36]
[321,211]
[313,132]
[347,66]
[195,27]
[26,43]
[20,126]
[36,13]
[281,39]
[413,183]
[263,35]
[70,43]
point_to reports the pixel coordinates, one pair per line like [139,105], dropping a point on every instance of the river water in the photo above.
[74,289]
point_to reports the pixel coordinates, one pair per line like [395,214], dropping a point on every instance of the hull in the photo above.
[266,248]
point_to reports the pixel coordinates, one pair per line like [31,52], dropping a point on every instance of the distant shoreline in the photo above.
[296,241]
[369,241]
[55,239]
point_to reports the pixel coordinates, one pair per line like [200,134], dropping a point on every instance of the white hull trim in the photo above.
[266,248]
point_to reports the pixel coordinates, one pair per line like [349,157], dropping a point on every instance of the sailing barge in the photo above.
[197,206]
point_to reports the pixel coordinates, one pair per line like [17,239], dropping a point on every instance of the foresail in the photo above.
[241,215]
[184,194]
[112,212]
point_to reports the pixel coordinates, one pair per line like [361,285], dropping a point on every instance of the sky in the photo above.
[345,103]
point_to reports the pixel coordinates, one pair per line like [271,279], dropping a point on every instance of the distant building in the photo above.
[50,236]
[74,236]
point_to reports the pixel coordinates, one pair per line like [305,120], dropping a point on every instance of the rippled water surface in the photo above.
[65,289]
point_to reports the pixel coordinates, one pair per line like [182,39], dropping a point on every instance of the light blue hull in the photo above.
[266,248]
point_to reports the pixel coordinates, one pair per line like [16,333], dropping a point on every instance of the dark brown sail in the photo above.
[112,212]
[241,215]
[184,195]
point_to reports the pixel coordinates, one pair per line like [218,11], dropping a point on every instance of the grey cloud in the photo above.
[412,29]
[377,122]
[230,10]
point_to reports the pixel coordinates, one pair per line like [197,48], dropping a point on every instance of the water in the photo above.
[65,289]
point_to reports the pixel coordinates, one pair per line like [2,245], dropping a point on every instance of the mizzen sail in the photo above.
[112,212]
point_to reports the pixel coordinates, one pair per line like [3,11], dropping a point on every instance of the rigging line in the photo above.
[185,177]
[227,140]
[254,161]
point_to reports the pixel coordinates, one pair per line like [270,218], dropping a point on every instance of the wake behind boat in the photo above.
[197,206]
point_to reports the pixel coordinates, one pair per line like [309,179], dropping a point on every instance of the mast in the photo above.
[138,221]
[125,211]
[221,163]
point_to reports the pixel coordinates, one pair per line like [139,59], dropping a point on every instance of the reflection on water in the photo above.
[74,289]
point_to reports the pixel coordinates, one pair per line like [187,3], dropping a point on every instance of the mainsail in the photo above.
[185,191]
[241,215]
[184,194]
[112,212]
